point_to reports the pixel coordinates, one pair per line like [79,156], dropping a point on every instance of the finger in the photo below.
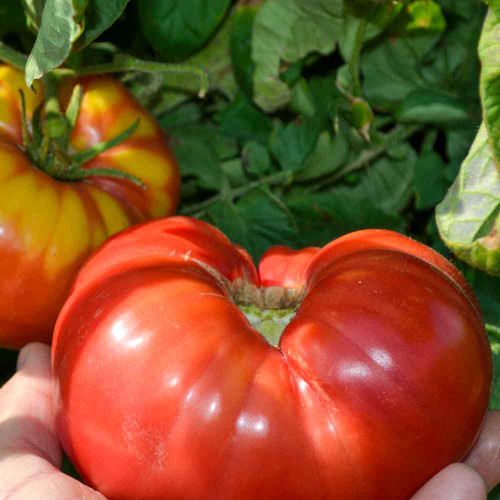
[30,454]
[26,419]
[455,482]
[485,455]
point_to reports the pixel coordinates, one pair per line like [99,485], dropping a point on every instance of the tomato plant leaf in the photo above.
[468,218]
[458,141]
[489,53]
[466,10]
[284,32]
[292,144]
[495,392]
[389,182]
[99,16]
[199,151]
[215,59]
[244,121]
[256,158]
[329,155]
[61,25]
[394,70]
[257,221]
[430,106]
[329,215]
[398,64]
[178,29]
[430,180]
[241,47]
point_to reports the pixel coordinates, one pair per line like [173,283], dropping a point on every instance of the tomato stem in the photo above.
[48,144]
[129,63]
[78,159]
[354,61]
[277,178]
[270,323]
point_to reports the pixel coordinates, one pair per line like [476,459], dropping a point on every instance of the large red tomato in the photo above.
[164,390]
[49,227]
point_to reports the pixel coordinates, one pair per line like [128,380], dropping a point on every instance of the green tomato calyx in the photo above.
[270,323]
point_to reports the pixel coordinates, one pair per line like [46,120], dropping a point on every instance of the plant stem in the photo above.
[355,58]
[269,180]
[398,133]
[12,57]
[128,63]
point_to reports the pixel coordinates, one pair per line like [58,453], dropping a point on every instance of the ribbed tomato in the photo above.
[164,389]
[47,226]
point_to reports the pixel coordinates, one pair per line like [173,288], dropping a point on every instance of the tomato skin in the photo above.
[49,227]
[164,390]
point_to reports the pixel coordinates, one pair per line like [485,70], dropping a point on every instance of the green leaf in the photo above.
[430,180]
[99,16]
[378,16]
[489,53]
[394,70]
[292,144]
[257,221]
[330,154]
[328,215]
[325,96]
[467,10]
[376,201]
[431,106]
[243,121]
[233,169]
[285,31]
[468,218]
[198,151]
[178,29]
[495,392]
[241,47]
[494,6]
[389,182]
[458,141]
[400,63]
[61,25]
[302,101]
[215,59]
[256,159]
[183,115]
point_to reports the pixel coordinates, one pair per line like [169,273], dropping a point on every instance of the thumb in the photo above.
[30,455]
[457,482]
[26,418]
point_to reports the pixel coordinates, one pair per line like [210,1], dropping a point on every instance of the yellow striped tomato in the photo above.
[48,227]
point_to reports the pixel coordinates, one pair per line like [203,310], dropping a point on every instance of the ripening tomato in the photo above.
[48,227]
[164,389]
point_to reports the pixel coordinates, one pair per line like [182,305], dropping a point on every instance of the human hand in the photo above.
[30,455]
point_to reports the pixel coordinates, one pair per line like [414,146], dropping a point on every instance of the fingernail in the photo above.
[23,356]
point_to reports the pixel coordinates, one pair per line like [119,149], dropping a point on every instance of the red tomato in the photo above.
[49,227]
[163,389]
